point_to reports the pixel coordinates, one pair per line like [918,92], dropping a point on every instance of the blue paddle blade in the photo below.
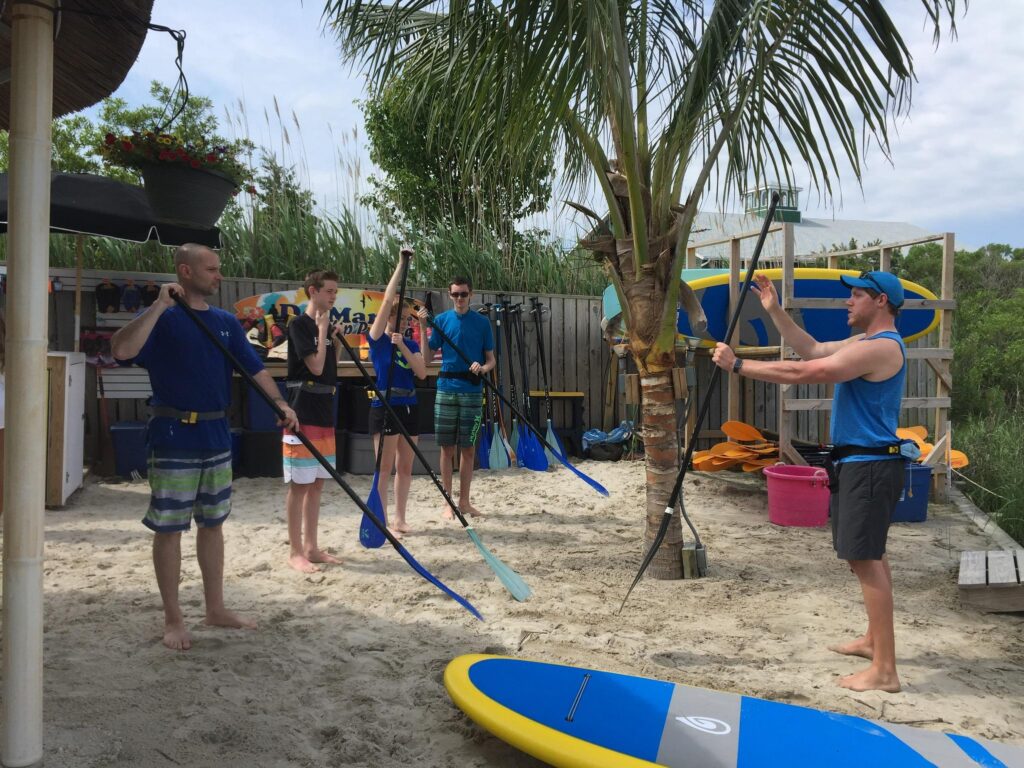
[556,442]
[436,581]
[370,536]
[483,448]
[531,455]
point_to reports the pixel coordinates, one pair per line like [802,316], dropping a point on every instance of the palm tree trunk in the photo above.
[661,446]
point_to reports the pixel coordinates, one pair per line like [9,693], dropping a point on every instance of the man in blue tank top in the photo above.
[868,370]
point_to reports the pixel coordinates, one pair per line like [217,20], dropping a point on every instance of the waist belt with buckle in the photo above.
[187,417]
[469,376]
[840,452]
[395,392]
[312,386]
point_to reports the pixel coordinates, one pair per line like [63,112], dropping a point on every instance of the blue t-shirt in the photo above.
[380,356]
[866,412]
[189,373]
[470,332]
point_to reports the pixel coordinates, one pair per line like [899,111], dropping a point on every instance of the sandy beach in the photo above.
[346,666]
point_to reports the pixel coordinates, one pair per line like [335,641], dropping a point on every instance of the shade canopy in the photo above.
[83,203]
[95,44]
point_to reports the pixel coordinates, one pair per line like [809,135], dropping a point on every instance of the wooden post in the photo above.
[885,261]
[21,738]
[733,406]
[691,258]
[786,417]
[943,386]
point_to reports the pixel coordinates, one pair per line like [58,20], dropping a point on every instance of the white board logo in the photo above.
[707,725]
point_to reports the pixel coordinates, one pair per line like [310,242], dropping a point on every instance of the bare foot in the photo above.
[302,564]
[469,509]
[870,680]
[226,618]
[401,526]
[446,513]
[176,637]
[395,532]
[322,556]
[859,647]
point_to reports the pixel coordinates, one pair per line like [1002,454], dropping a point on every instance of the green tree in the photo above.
[653,100]
[428,182]
[75,138]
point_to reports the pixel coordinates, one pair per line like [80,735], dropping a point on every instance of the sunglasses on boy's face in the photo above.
[459,294]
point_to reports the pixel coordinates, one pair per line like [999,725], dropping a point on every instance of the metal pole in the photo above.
[27,269]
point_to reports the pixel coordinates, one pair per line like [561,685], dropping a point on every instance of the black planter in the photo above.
[192,197]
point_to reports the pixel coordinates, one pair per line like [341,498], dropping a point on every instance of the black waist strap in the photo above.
[844,451]
[186,417]
[395,392]
[469,376]
[312,386]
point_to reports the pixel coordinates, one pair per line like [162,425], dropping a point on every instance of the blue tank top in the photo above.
[868,412]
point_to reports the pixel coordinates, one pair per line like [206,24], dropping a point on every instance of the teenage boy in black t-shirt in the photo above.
[312,378]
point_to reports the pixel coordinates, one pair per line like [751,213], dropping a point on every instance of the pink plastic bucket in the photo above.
[797,495]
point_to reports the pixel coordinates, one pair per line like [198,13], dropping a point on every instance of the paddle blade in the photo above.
[370,536]
[959,460]
[513,439]
[555,441]
[531,454]
[497,457]
[518,588]
[436,581]
[651,552]
[737,430]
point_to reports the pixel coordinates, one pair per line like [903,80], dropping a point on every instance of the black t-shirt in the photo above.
[311,407]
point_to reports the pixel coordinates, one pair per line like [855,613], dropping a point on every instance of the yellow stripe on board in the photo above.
[544,743]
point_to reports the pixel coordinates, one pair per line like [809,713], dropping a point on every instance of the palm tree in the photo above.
[661,103]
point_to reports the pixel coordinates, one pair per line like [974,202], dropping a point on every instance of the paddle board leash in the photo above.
[675,497]
[552,437]
[240,369]
[369,534]
[494,390]
[512,581]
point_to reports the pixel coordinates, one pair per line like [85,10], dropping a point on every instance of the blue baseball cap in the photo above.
[881,282]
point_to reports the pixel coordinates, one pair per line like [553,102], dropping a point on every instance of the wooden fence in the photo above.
[577,358]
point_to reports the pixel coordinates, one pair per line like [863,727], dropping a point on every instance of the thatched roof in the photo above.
[92,53]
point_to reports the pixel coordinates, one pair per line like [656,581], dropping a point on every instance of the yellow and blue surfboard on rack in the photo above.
[756,329]
[573,717]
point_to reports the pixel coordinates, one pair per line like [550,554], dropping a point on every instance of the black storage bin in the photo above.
[260,454]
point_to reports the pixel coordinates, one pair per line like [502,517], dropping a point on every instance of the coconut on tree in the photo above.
[663,105]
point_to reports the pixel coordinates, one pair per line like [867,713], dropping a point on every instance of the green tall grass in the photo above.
[992,443]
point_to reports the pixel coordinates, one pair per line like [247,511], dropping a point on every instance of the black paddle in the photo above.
[704,408]
[240,369]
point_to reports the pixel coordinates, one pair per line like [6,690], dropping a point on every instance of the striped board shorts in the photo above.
[187,485]
[457,418]
[299,464]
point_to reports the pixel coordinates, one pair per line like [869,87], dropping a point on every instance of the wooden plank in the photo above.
[972,570]
[584,346]
[562,415]
[818,303]
[738,236]
[873,248]
[930,353]
[600,360]
[1001,569]
[568,363]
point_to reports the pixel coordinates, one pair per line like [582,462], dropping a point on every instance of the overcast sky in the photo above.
[957,163]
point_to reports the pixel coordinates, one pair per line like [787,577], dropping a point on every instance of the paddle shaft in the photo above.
[240,369]
[716,375]
[538,311]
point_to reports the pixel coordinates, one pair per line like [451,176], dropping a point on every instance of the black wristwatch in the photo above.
[737,364]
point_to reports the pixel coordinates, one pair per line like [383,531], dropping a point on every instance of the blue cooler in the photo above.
[913,507]
[129,438]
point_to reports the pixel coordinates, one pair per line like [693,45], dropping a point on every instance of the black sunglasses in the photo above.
[459,294]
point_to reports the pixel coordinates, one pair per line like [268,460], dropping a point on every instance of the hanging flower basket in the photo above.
[193,197]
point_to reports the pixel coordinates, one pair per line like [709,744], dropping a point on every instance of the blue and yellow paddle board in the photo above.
[756,329]
[583,718]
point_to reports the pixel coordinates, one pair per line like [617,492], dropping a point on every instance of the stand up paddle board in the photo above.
[573,717]
[755,327]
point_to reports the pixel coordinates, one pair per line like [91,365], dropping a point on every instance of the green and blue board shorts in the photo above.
[187,485]
[457,418]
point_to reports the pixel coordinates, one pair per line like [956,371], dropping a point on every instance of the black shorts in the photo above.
[862,507]
[406,415]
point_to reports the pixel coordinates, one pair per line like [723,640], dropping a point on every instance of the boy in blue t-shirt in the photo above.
[459,403]
[188,440]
